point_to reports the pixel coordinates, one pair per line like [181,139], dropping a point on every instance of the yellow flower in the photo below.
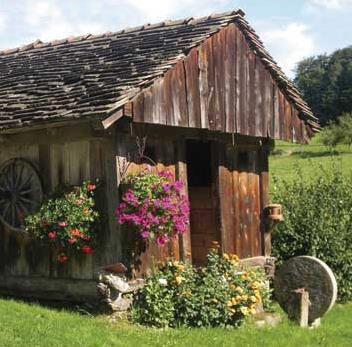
[244,297]
[253,298]
[234,257]
[256,285]
[214,301]
[234,302]
[239,290]
[245,276]
[258,296]
[178,280]
[229,303]
[238,297]
[226,256]
[244,310]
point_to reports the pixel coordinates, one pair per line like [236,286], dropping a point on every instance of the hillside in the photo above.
[286,158]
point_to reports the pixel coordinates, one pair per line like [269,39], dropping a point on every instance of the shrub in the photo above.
[318,222]
[219,294]
[66,220]
[154,207]
[339,132]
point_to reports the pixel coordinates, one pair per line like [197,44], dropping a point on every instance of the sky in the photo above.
[291,30]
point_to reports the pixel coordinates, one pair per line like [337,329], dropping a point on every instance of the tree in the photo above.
[339,132]
[326,83]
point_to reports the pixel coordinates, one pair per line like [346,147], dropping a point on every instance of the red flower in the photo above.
[62,224]
[52,234]
[71,241]
[62,258]
[90,187]
[76,232]
[87,249]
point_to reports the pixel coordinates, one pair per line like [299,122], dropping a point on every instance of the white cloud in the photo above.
[49,19]
[2,22]
[153,10]
[330,4]
[289,44]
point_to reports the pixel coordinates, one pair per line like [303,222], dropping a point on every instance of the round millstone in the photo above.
[307,273]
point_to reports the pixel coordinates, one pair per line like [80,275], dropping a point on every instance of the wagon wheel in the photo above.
[21,192]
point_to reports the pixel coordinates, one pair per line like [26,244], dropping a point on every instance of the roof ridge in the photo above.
[71,39]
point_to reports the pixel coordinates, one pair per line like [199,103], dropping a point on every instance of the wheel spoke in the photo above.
[27,191]
[27,181]
[13,215]
[20,191]
[6,209]
[19,175]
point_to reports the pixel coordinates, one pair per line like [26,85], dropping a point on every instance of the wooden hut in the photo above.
[201,97]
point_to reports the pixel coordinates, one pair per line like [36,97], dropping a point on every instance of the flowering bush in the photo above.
[154,206]
[220,294]
[67,221]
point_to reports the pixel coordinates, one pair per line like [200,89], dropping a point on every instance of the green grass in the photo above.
[28,325]
[309,158]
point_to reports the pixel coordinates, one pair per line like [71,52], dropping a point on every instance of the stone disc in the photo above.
[313,275]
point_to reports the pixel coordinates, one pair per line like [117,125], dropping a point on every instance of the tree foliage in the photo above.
[326,83]
[339,132]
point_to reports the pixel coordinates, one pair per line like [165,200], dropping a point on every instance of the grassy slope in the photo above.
[24,325]
[308,158]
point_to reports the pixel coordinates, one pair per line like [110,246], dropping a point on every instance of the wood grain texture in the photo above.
[221,85]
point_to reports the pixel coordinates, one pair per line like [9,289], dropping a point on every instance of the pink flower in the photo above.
[145,234]
[62,224]
[52,234]
[71,241]
[161,240]
[90,187]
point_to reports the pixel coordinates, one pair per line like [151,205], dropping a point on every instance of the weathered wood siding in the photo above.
[135,254]
[240,191]
[63,155]
[243,192]
[221,85]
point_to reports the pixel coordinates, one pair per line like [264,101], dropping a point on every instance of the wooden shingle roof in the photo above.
[92,76]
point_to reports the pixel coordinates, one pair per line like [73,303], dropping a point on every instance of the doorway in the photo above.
[203,204]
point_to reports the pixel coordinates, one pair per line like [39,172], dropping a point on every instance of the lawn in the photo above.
[287,157]
[29,325]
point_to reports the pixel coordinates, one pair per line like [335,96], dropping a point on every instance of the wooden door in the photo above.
[204,223]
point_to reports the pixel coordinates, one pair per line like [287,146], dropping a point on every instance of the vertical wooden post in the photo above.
[264,197]
[181,174]
[225,191]
[303,322]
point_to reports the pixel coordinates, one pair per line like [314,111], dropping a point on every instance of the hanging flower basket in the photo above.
[154,206]
[67,221]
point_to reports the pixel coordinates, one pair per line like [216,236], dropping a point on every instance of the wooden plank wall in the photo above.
[221,85]
[58,162]
[135,254]
[243,194]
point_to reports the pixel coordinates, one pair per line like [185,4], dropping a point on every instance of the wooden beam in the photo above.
[108,122]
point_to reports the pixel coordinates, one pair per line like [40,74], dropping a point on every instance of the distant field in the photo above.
[287,157]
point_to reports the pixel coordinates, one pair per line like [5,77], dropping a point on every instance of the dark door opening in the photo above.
[203,214]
